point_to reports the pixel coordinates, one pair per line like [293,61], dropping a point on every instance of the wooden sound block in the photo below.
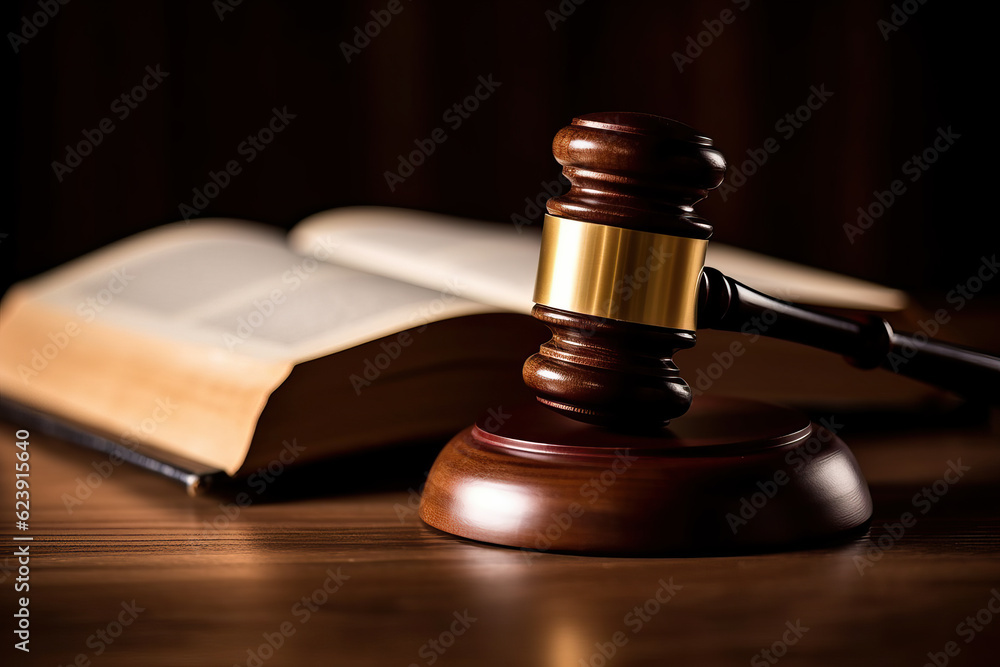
[731,475]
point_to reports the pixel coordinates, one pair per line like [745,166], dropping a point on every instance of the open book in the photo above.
[206,346]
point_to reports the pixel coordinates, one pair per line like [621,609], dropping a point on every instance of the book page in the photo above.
[237,286]
[491,263]
[496,263]
[177,337]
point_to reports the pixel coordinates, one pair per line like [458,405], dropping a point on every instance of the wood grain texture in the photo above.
[609,372]
[637,171]
[209,595]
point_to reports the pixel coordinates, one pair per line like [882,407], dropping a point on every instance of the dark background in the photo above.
[353,119]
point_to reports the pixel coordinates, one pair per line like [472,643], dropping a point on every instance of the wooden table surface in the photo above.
[140,574]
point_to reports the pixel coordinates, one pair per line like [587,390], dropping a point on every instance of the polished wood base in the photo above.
[729,476]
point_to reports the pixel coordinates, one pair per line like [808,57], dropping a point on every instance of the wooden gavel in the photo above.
[596,465]
[622,284]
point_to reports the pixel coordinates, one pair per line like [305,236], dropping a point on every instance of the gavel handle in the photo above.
[732,306]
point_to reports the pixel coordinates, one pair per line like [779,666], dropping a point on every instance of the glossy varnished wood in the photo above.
[637,171]
[640,172]
[617,374]
[211,594]
[733,475]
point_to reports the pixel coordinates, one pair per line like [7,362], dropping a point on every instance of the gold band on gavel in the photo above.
[621,274]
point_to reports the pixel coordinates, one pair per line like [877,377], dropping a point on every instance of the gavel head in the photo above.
[621,258]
